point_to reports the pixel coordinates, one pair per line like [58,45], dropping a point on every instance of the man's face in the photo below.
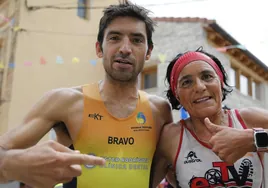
[124,49]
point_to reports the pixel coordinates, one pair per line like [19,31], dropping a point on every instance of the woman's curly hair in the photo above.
[226,89]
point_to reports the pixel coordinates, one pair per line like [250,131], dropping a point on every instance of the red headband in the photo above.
[185,60]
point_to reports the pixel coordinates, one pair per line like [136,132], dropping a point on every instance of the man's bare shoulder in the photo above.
[61,97]
[170,132]
[76,88]
[161,108]
[55,103]
[159,101]
[171,129]
[64,93]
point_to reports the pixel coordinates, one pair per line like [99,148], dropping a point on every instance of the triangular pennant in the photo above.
[16,28]
[184,113]
[162,57]
[4,18]
[27,63]
[241,47]
[223,49]
[59,60]
[75,60]
[12,22]
[11,65]
[93,62]
[42,61]
[2,66]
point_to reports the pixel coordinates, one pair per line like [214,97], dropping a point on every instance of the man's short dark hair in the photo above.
[126,9]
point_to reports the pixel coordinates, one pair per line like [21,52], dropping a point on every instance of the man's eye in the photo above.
[114,38]
[137,40]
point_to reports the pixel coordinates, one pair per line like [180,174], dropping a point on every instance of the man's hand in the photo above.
[230,144]
[171,177]
[45,165]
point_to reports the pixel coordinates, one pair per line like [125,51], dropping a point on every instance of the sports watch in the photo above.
[260,139]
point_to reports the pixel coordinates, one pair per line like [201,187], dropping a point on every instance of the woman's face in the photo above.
[199,89]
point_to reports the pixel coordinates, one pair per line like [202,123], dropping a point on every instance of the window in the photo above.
[232,77]
[150,80]
[82,8]
[149,77]
[256,90]
[244,84]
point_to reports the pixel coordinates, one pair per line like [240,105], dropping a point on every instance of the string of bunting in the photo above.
[59,60]
[10,21]
[162,57]
[75,60]
[225,48]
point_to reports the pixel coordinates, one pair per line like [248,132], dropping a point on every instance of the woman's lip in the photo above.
[203,99]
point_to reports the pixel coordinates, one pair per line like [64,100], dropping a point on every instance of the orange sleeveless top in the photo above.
[127,144]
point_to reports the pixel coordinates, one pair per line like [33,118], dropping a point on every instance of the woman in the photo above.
[214,147]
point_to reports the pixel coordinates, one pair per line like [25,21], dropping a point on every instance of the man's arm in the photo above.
[37,122]
[159,169]
[165,154]
[162,169]
[171,178]
[46,164]
[2,178]
[163,113]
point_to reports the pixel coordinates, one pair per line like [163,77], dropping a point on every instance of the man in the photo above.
[110,119]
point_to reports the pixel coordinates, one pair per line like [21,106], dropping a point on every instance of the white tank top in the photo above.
[197,166]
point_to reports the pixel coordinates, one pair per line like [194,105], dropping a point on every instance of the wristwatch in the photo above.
[260,139]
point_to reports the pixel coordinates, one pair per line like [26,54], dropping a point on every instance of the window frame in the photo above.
[250,78]
[147,70]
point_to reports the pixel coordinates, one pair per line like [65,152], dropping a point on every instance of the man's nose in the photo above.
[126,47]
